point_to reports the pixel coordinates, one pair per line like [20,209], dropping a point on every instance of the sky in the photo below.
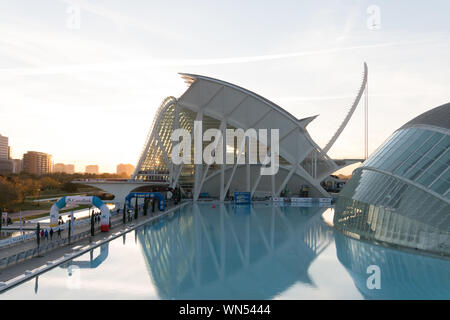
[81,80]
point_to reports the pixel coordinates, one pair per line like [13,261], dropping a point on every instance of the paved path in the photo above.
[27,213]
[32,243]
[58,247]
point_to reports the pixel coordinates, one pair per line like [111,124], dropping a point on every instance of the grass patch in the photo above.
[53,195]
[46,214]
[33,206]
[61,193]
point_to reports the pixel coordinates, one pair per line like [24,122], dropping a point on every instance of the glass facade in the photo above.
[419,155]
[400,195]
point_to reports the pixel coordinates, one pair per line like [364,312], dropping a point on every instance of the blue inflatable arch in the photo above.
[95,201]
[158,195]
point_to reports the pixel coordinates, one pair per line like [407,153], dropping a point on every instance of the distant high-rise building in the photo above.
[6,166]
[37,162]
[4,153]
[125,169]
[17,165]
[92,169]
[9,153]
[65,168]
[59,167]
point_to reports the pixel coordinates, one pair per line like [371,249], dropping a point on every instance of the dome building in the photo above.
[401,194]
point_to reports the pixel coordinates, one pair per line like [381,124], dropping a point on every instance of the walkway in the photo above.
[16,259]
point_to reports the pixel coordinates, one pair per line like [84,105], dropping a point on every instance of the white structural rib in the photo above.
[350,112]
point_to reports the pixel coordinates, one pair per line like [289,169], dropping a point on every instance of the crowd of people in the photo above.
[46,233]
[97,216]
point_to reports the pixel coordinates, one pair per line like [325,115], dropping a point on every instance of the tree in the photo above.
[30,187]
[70,187]
[9,194]
[48,183]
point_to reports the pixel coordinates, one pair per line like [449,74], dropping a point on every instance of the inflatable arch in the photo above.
[61,203]
[92,263]
[148,195]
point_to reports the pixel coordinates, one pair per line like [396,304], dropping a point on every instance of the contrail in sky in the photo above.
[161,63]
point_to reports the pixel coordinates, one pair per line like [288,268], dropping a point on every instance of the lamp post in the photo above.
[39,195]
[92,225]
[70,229]
[38,235]
[136,212]
[21,222]
[145,205]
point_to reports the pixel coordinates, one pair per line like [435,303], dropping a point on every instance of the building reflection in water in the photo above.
[404,275]
[223,251]
[233,252]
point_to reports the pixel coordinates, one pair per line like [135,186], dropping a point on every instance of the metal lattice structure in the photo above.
[222,105]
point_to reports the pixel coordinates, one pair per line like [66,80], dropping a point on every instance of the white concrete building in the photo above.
[222,105]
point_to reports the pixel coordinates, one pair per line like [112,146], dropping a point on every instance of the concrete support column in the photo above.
[198,155]
[223,125]
[247,167]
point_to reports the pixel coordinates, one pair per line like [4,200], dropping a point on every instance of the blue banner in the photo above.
[242,197]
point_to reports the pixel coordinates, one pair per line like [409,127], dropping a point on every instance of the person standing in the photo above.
[38,234]
[46,234]
[59,232]
[51,233]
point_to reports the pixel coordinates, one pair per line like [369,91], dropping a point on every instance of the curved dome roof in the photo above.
[190,78]
[222,105]
[437,117]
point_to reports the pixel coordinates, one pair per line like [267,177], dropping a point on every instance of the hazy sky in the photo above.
[85,87]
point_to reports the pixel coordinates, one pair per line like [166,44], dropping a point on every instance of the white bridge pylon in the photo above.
[347,118]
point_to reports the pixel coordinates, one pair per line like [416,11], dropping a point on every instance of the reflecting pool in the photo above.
[223,251]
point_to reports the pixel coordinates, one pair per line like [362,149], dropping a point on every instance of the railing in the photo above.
[32,252]
[32,236]
[50,245]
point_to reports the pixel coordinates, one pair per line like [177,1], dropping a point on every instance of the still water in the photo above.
[223,251]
